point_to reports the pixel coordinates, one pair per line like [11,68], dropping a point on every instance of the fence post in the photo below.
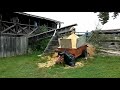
[86,34]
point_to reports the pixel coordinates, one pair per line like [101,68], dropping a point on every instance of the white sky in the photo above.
[85,20]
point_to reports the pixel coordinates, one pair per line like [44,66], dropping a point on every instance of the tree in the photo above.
[104,16]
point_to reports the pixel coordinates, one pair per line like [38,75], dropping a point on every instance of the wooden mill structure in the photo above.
[17,28]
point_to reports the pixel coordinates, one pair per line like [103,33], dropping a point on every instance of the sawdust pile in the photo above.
[50,62]
[47,64]
[90,50]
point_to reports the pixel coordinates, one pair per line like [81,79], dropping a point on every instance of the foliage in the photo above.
[40,45]
[41,29]
[104,16]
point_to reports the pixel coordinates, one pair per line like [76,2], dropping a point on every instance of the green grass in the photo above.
[25,66]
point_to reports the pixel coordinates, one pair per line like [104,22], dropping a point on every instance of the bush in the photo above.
[40,45]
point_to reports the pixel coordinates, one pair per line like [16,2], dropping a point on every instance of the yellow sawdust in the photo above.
[50,62]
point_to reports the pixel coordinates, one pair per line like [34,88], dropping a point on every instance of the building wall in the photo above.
[110,41]
[12,45]
[110,45]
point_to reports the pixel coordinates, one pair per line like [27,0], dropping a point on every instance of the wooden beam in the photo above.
[7,22]
[0,23]
[59,25]
[17,23]
[0,26]
[29,24]
[50,33]
[32,31]
[22,29]
[8,28]
[13,34]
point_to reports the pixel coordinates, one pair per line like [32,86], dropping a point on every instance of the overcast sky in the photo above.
[85,20]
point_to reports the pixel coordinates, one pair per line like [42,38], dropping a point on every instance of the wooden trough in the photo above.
[76,52]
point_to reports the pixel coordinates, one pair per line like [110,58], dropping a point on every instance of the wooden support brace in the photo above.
[22,29]
[8,28]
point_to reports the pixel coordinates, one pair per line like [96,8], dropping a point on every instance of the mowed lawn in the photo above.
[25,66]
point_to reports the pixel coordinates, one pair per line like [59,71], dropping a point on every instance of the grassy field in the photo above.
[25,66]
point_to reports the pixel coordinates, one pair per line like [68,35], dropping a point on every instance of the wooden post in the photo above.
[59,25]
[29,24]
[17,21]
[0,23]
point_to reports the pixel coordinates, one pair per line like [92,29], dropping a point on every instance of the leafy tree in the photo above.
[104,16]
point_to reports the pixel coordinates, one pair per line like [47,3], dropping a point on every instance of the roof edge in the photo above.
[26,14]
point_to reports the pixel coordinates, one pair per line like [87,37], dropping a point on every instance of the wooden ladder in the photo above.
[52,44]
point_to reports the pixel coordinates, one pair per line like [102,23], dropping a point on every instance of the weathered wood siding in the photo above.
[11,46]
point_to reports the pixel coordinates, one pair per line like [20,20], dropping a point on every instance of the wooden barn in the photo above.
[109,39]
[16,27]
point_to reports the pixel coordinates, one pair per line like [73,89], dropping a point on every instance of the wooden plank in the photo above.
[4,45]
[33,31]
[22,43]
[14,34]
[12,44]
[17,23]
[26,44]
[17,45]
[23,46]
[0,26]
[0,48]
[8,48]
